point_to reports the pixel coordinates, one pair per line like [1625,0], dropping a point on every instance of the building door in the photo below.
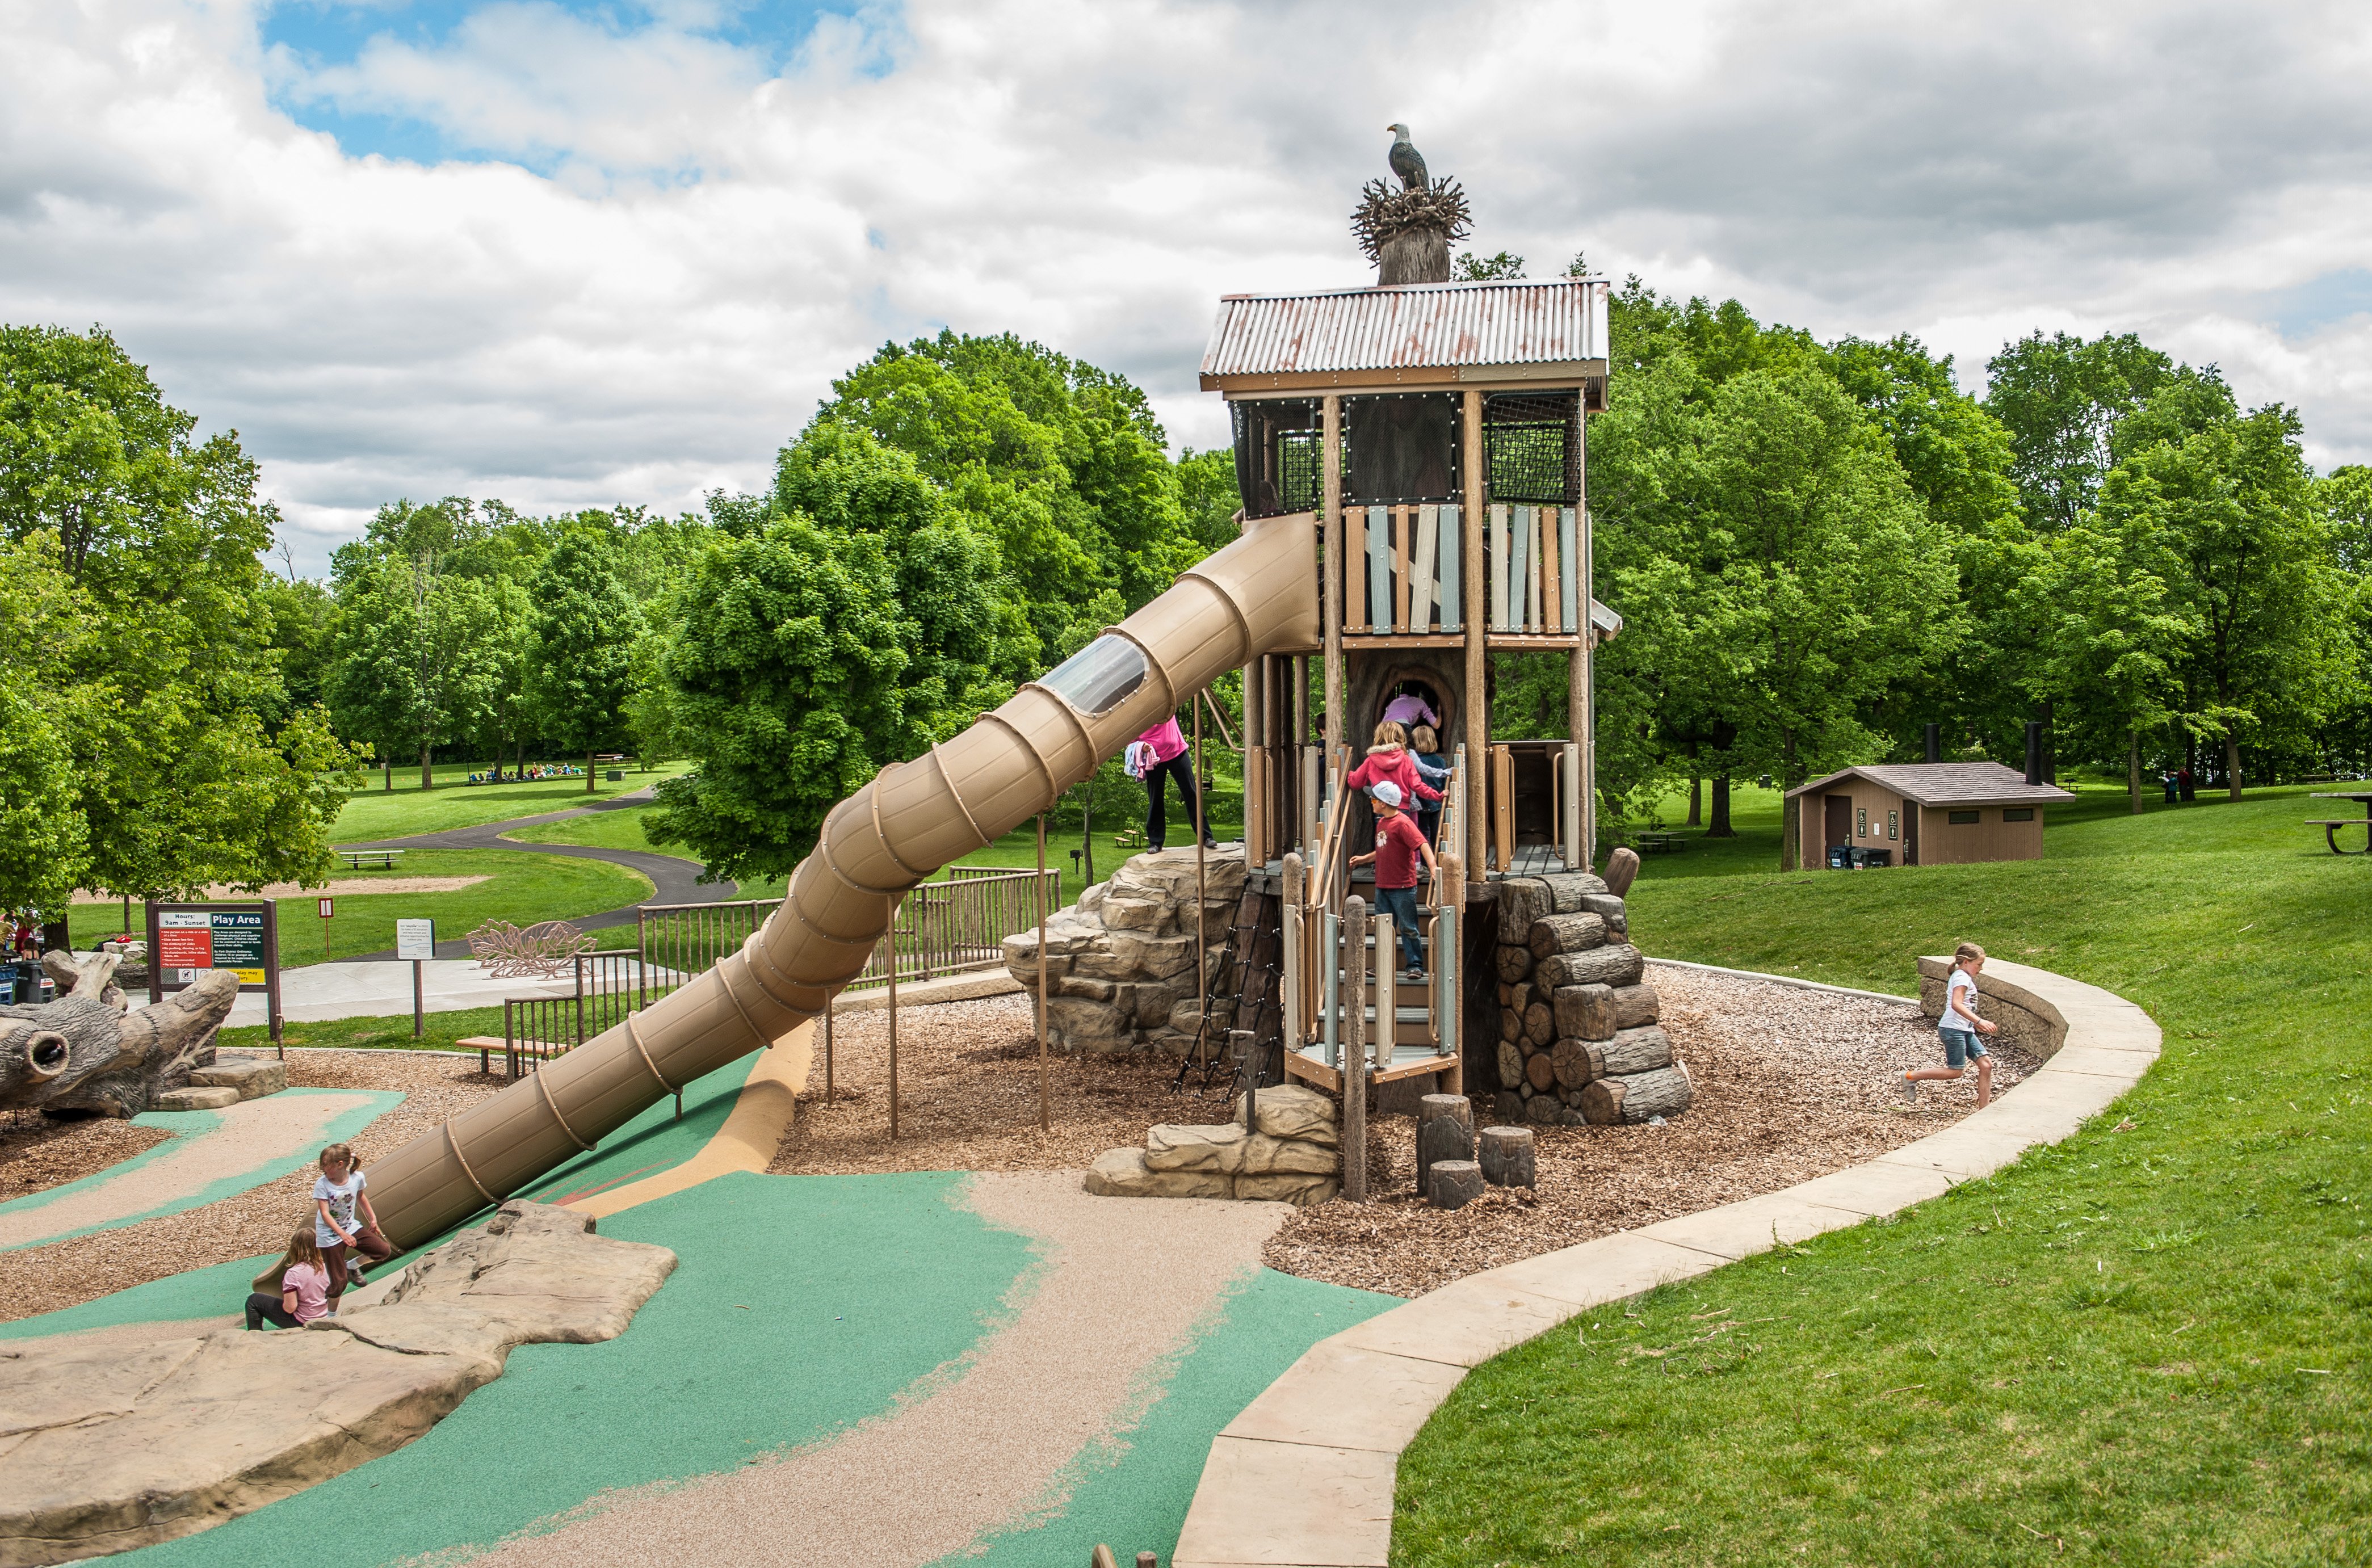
[1839,821]
[1910,831]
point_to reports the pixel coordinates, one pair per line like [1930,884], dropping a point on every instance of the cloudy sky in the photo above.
[572,252]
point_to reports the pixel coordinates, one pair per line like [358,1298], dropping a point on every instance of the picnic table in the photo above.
[358,859]
[2330,825]
[1659,842]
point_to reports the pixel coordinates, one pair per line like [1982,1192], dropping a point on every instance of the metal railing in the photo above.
[942,928]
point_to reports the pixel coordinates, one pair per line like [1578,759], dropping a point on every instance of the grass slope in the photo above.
[2147,1344]
[519,887]
[374,812]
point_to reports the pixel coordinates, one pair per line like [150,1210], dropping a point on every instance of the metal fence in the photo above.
[942,928]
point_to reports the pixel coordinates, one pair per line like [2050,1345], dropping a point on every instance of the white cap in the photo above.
[1387,792]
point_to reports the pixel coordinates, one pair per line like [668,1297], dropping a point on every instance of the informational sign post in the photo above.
[186,940]
[416,940]
[328,909]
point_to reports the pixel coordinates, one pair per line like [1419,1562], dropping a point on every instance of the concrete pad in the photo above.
[1873,1189]
[1464,1324]
[1962,1152]
[1341,1397]
[1290,1506]
[1613,1268]
[2113,1027]
[1757,1224]
[2125,1065]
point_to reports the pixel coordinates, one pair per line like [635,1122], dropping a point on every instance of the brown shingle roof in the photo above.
[1948,784]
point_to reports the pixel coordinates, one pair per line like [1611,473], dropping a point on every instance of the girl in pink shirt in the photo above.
[1167,744]
[295,1290]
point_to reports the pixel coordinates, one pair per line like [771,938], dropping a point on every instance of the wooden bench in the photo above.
[360,859]
[486,1045]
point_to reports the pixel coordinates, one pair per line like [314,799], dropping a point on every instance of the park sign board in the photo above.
[186,940]
[415,939]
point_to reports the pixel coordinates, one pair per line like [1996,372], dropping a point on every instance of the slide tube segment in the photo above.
[1258,595]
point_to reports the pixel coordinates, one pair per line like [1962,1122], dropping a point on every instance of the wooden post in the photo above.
[827,1051]
[1477,613]
[1044,1124]
[1330,469]
[892,939]
[1201,916]
[1354,927]
[1581,699]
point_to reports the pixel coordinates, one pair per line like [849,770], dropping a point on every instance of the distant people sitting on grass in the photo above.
[1158,753]
[294,1291]
[1398,848]
[1960,1027]
[337,1196]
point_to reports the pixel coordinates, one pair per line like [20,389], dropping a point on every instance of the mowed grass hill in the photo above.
[2147,1344]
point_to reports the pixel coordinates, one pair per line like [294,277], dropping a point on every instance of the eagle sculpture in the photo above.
[1407,162]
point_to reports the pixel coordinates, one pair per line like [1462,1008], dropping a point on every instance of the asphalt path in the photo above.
[674,880]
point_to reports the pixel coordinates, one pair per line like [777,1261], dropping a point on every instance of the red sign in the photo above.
[328,908]
[185,946]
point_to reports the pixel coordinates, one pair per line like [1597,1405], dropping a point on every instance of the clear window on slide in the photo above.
[1099,677]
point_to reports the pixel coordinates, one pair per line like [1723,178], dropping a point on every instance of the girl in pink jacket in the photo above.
[1388,759]
[1166,746]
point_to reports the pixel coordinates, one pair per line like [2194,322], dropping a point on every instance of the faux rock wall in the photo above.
[1120,961]
[1292,1154]
[1578,1038]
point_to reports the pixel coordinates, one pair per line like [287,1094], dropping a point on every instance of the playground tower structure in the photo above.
[1435,436]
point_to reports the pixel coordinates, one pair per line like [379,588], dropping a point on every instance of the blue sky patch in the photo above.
[2303,310]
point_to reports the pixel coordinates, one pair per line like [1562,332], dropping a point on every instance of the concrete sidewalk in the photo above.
[318,992]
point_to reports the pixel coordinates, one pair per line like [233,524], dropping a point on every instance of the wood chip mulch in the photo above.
[68,1272]
[1791,1084]
[968,1096]
[37,1153]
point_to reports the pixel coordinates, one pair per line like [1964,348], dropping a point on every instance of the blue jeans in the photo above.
[1400,905]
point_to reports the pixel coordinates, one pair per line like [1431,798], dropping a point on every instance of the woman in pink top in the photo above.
[1167,744]
[294,1291]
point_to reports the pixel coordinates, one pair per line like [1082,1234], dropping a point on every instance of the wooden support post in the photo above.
[1582,698]
[827,1052]
[1330,465]
[1476,583]
[1045,1122]
[890,939]
[1354,960]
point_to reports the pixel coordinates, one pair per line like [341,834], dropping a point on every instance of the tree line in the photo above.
[1819,548]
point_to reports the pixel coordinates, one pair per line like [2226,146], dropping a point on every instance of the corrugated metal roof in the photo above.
[1949,784]
[1409,327]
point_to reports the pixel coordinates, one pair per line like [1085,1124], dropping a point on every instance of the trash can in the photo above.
[617,776]
[1869,859]
[1840,857]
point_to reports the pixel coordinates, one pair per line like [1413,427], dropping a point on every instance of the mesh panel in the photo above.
[1528,442]
[1400,448]
[1277,443]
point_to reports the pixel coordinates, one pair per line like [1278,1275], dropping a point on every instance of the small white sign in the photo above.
[415,939]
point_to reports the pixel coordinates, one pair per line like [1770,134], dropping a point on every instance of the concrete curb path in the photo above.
[1304,1478]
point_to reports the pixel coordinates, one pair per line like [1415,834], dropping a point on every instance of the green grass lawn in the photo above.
[519,887]
[2150,1344]
[373,812]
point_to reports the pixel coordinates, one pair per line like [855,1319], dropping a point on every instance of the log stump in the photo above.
[1456,1183]
[1639,1096]
[1507,1157]
[1444,1131]
[1622,870]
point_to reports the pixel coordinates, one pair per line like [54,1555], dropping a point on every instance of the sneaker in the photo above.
[354,1275]
[1416,973]
[1910,1091]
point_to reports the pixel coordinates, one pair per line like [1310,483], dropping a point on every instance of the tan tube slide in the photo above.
[1259,595]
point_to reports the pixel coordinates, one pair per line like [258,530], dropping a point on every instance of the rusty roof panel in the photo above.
[1409,327]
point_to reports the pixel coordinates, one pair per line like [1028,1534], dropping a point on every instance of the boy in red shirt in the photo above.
[1398,847]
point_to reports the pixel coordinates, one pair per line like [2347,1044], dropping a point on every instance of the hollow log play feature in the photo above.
[85,1052]
[1508,1157]
[1444,1131]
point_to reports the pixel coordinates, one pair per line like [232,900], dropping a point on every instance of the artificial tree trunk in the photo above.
[84,1052]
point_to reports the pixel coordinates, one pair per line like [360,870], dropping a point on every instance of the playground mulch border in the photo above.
[82,1267]
[1791,1084]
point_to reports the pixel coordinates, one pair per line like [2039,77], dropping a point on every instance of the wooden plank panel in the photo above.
[1379,568]
[1498,567]
[1551,564]
[1402,516]
[1452,603]
[1520,572]
[1355,574]
[1423,563]
[1502,806]
[1569,559]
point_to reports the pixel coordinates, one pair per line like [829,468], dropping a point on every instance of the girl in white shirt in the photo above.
[1960,1027]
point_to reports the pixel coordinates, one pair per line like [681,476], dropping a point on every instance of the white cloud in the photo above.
[694,241]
